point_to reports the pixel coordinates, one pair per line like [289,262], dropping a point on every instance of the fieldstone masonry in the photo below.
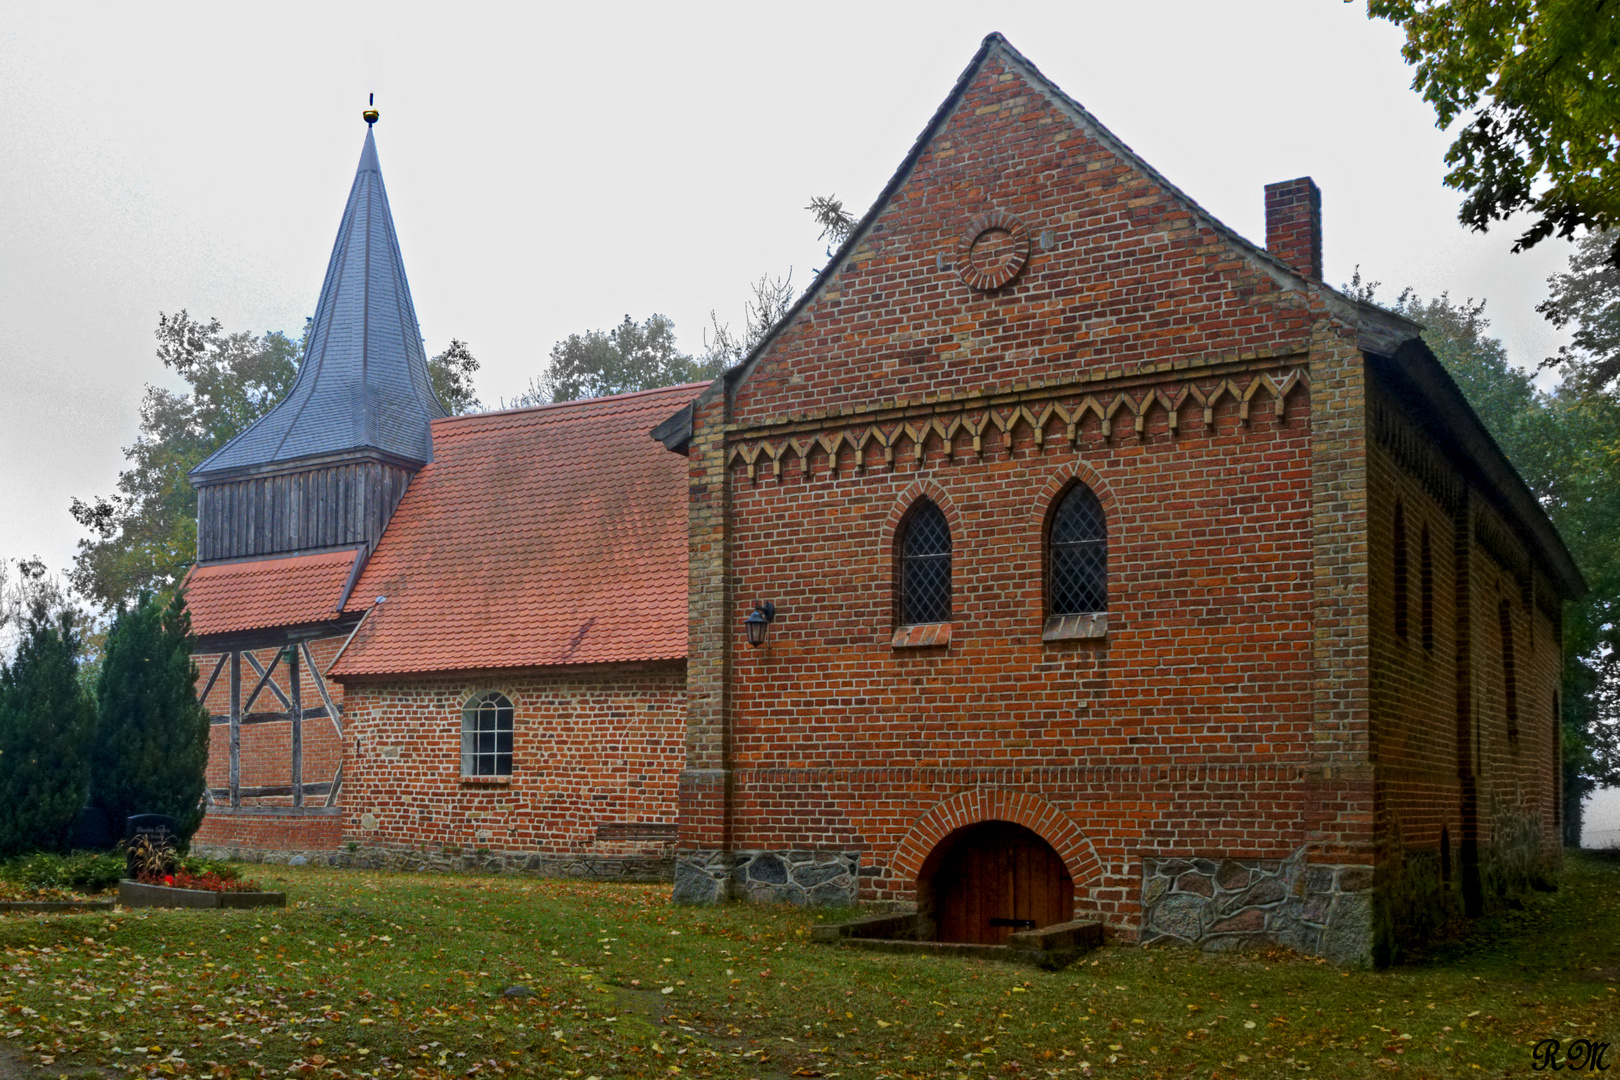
[1222,905]
[780,877]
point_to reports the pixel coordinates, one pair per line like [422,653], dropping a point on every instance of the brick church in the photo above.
[1060,554]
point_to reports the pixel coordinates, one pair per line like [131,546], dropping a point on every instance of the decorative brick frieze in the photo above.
[951,432]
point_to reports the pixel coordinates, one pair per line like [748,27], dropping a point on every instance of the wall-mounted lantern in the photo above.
[758,623]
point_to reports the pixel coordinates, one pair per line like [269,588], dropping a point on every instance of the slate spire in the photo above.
[364,382]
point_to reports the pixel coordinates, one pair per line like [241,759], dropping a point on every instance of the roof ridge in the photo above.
[546,406]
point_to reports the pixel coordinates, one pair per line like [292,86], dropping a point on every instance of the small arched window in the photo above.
[1510,676]
[1400,572]
[486,736]
[1426,595]
[1077,567]
[925,566]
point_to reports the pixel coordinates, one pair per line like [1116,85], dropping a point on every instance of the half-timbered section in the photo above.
[1067,515]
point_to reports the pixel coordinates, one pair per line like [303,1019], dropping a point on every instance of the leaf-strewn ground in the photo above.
[381,975]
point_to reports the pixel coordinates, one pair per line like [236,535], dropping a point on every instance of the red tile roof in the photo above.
[230,597]
[537,537]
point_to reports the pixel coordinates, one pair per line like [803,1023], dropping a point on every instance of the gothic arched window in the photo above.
[925,565]
[1077,559]
[486,735]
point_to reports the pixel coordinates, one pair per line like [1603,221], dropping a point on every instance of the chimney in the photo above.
[1294,225]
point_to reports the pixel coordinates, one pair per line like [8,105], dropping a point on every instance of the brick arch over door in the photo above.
[998,804]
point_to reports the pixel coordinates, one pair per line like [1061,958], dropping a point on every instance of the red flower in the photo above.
[168,879]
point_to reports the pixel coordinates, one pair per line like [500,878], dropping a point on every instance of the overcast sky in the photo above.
[555,167]
[550,173]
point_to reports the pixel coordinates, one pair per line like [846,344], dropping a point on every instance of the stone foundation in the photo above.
[647,869]
[818,878]
[1222,905]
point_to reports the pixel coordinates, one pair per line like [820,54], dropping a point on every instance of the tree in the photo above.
[1565,443]
[773,297]
[1588,296]
[46,724]
[1537,83]
[151,748]
[451,373]
[631,356]
[144,537]
[26,585]
[640,356]
[836,222]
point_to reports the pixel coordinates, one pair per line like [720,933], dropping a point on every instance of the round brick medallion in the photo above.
[993,250]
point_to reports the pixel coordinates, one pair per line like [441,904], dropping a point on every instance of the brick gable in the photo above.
[1124,271]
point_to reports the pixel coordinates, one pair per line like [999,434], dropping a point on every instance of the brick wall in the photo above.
[254,829]
[1457,782]
[1213,404]
[590,747]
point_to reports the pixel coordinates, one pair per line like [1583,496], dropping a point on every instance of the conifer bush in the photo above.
[151,747]
[47,722]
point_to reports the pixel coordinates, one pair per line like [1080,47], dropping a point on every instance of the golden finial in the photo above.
[371,114]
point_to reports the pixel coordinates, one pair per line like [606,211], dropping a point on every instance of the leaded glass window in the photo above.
[1078,575]
[486,736]
[925,566]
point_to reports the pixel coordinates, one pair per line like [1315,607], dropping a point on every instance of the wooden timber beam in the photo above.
[320,687]
[268,717]
[264,679]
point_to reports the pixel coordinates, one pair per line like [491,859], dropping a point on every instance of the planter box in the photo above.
[133,894]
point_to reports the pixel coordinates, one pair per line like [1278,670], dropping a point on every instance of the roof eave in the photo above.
[201,475]
[1415,363]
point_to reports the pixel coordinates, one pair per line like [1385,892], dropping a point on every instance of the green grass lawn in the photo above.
[369,974]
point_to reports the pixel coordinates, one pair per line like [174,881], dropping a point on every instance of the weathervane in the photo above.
[371,113]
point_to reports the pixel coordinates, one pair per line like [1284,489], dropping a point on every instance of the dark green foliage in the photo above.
[1529,89]
[82,871]
[46,724]
[152,739]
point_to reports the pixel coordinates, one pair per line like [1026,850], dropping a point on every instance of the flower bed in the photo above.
[15,898]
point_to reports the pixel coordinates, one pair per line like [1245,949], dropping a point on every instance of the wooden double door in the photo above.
[994,878]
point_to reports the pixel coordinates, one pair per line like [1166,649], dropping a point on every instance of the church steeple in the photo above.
[326,466]
[364,382]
